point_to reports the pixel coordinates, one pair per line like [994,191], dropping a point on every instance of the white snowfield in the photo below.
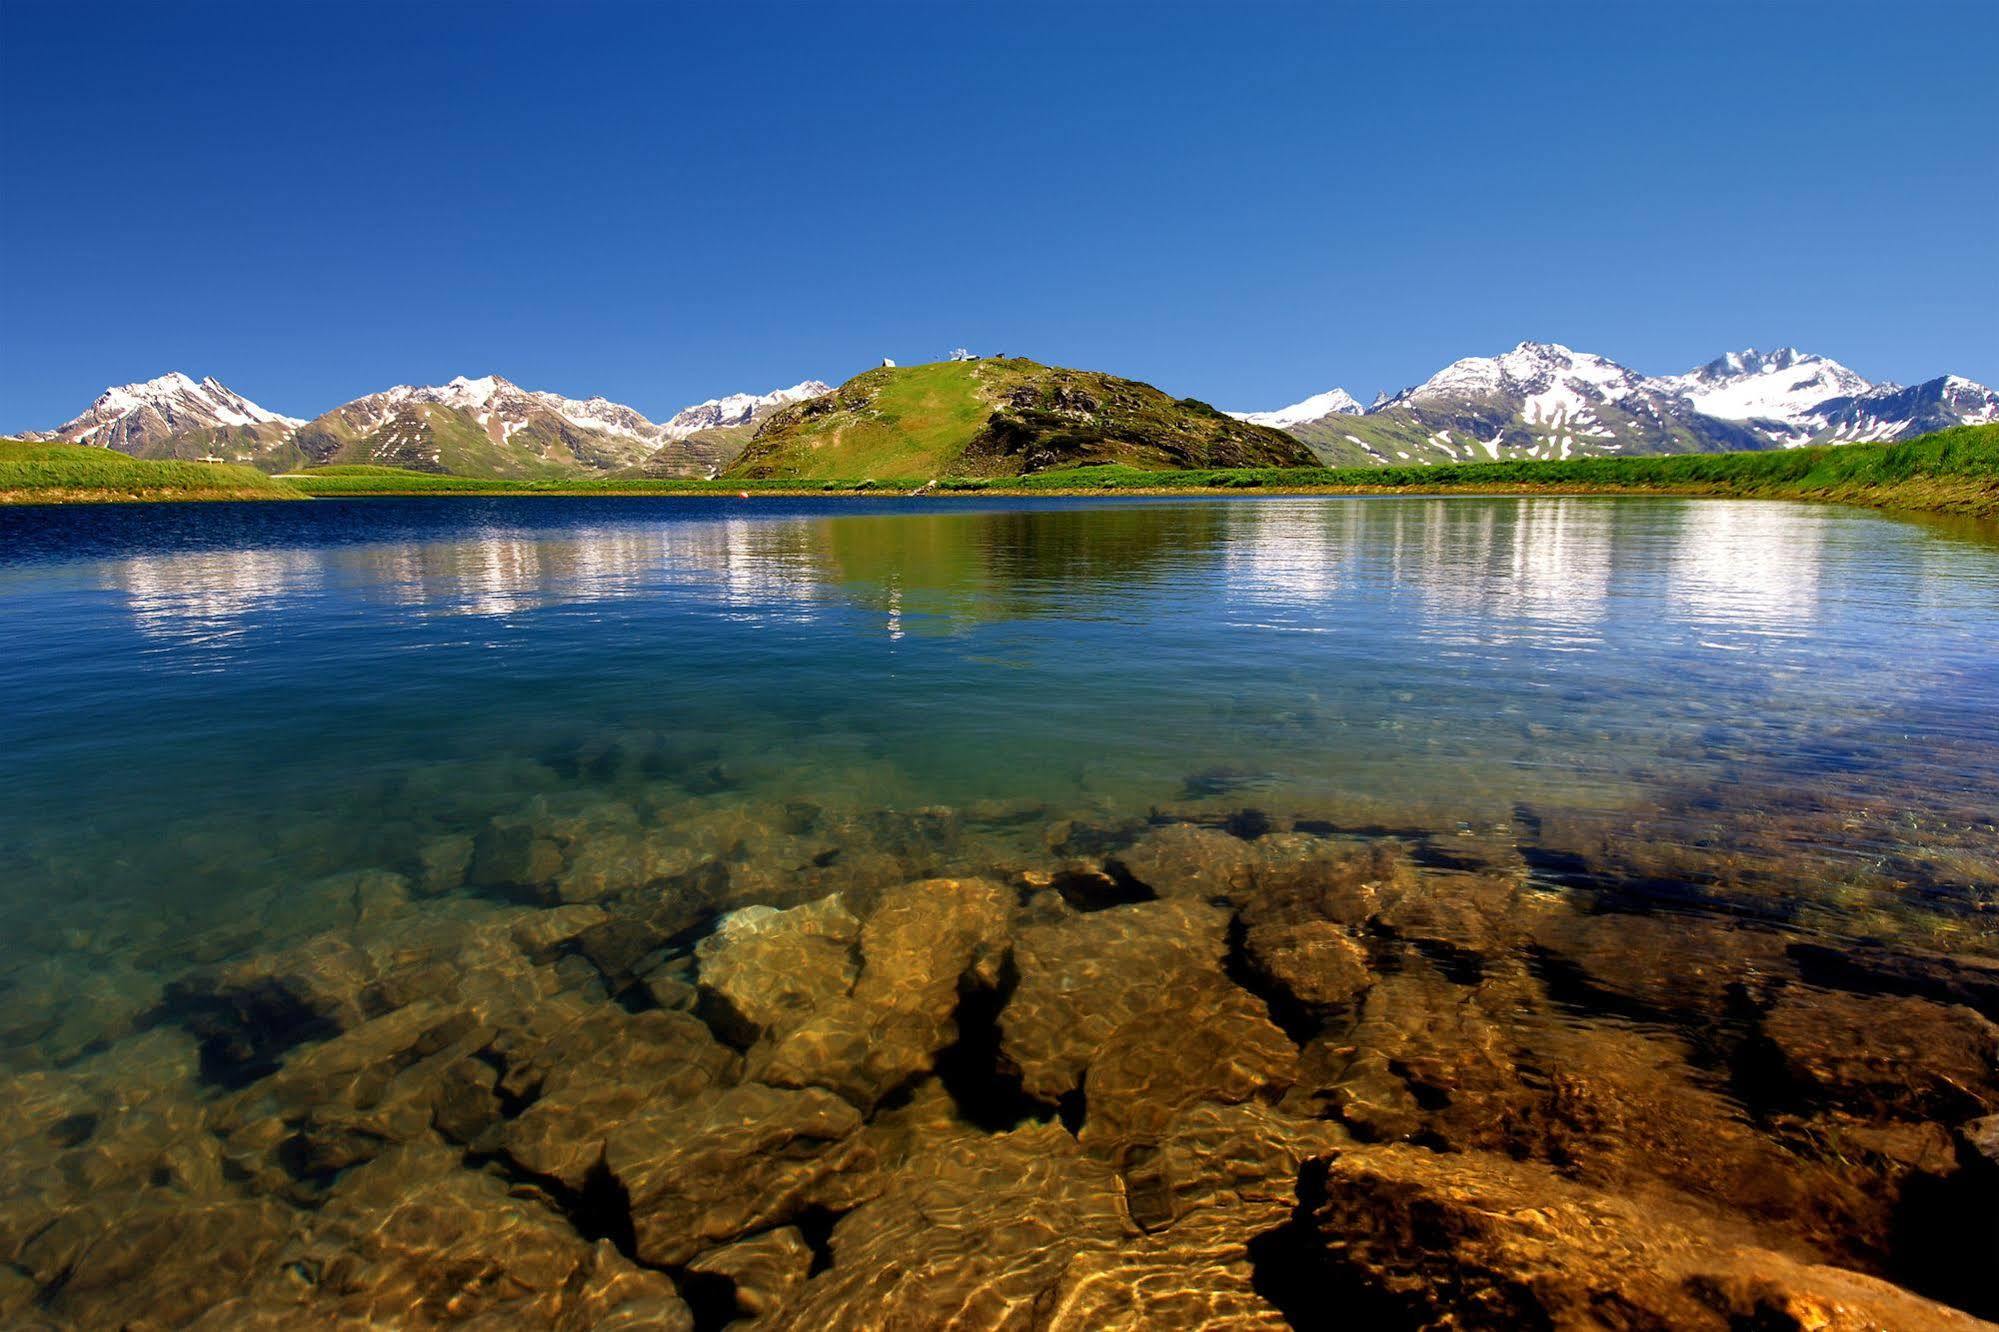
[1783,385]
[1333,402]
[738,408]
[178,399]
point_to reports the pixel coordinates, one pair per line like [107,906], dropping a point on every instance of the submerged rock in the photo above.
[714,1168]
[1185,860]
[1204,1040]
[763,1271]
[1084,978]
[845,1068]
[1026,1229]
[594,1075]
[923,945]
[1420,1239]
[415,1239]
[763,969]
[1317,964]
[1882,1057]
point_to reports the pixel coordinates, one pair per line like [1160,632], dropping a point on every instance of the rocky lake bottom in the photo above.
[1310,914]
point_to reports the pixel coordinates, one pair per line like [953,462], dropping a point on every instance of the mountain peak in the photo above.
[1333,402]
[1549,374]
[173,402]
[740,408]
[1751,385]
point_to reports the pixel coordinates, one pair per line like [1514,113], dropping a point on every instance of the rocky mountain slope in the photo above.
[487,426]
[176,416]
[1001,417]
[479,427]
[1544,400]
[1889,412]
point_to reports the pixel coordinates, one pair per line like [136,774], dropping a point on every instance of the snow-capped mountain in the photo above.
[1548,381]
[144,418]
[487,425]
[1783,385]
[502,407]
[1333,402]
[1538,400]
[491,425]
[1544,400]
[739,408]
[1888,411]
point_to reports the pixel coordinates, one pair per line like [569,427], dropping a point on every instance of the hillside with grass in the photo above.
[45,472]
[1000,417]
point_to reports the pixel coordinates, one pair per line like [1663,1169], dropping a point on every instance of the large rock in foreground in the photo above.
[1422,1239]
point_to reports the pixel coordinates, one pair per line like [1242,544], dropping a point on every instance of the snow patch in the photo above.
[1333,402]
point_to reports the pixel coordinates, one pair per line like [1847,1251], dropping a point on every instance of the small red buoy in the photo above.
[742,494]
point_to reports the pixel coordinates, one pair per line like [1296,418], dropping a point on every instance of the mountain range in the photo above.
[488,426]
[1544,400]
[1539,400]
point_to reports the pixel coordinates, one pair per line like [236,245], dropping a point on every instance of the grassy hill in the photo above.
[50,473]
[1000,417]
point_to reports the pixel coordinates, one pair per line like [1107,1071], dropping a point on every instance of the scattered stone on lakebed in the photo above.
[699,1064]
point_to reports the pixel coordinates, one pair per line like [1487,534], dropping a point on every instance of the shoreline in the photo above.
[1964,500]
[1953,471]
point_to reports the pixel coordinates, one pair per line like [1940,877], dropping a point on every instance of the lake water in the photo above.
[1639,778]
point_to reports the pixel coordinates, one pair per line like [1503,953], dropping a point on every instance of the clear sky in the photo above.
[1246,203]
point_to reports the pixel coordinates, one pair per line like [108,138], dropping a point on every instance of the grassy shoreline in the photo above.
[50,473]
[1953,471]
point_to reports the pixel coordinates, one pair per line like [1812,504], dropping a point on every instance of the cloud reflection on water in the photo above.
[1483,574]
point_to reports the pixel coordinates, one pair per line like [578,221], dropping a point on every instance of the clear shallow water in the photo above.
[1778,720]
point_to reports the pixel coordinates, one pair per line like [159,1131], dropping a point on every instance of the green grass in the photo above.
[1954,470]
[997,417]
[357,479]
[906,422]
[51,473]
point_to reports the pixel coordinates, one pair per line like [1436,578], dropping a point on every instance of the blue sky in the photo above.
[1245,203]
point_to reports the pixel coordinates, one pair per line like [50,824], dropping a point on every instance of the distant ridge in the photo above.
[1546,401]
[1539,400]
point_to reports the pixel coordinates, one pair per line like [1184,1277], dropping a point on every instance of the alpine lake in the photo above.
[998,913]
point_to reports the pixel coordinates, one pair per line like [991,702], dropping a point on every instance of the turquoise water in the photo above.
[242,741]
[224,698]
